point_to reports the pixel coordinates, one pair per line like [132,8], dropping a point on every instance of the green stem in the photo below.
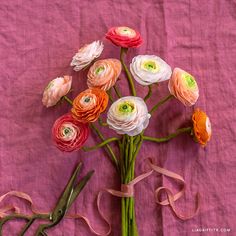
[129,77]
[110,96]
[129,170]
[101,122]
[68,100]
[167,138]
[149,94]
[126,152]
[109,149]
[122,167]
[105,142]
[117,91]
[165,99]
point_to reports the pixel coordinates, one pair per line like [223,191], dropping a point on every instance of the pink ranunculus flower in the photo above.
[68,134]
[128,115]
[86,55]
[184,87]
[56,89]
[103,74]
[124,36]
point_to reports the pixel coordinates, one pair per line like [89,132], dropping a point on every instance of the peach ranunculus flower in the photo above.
[89,104]
[128,115]
[103,74]
[201,127]
[56,89]
[184,87]
[149,69]
[86,55]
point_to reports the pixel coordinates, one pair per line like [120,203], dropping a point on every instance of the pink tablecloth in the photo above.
[37,41]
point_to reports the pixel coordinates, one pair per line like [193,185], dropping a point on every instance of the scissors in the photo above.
[71,192]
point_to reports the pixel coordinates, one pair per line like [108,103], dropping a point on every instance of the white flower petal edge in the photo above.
[149,69]
[128,115]
[86,55]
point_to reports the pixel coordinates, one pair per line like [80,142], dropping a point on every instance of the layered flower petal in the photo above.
[201,127]
[149,69]
[89,104]
[128,115]
[86,55]
[124,37]
[184,87]
[103,74]
[68,134]
[56,89]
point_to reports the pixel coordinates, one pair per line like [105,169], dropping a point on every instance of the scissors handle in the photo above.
[42,228]
[12,217]
[31,221]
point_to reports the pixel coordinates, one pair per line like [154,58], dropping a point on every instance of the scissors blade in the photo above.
[62,204]
[79,187]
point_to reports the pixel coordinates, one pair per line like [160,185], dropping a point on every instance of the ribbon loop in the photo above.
[171,198]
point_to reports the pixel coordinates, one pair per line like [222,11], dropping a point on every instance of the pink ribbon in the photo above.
[127,190]
[171,198]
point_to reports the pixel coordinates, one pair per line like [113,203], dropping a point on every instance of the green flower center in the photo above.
[87,99]
[126,107]
[190,80]
[151,66]
[50,85]
[126,31]
[67,130]
[99,70]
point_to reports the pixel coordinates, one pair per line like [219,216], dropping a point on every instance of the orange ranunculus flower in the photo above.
[184,87]
[103,74]
[89,104]
[201,127]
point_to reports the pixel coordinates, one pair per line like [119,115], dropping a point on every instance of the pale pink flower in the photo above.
[86,55]
[56,89]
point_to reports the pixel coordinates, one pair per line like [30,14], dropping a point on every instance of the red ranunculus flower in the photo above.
[124,37]
[68,134]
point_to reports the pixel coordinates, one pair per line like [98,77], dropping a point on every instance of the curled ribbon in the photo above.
[127,190]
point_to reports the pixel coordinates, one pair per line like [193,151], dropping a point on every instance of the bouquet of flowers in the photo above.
[127,116]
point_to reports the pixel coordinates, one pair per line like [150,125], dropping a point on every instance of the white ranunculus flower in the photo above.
[86,55]
[149,69]
[128,115]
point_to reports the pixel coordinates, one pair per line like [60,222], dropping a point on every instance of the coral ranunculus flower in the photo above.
[89,104]
[184,87]
[56,89]
[103,74]
[86,55]
[201,127]
[124,37]
[68,134]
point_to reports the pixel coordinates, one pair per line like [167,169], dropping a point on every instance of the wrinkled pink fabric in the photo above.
[37,41]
